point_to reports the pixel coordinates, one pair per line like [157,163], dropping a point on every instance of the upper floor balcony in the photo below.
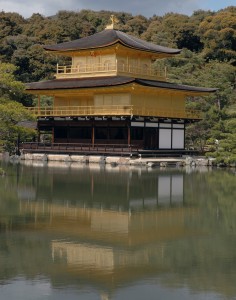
[114,110]
[112,68]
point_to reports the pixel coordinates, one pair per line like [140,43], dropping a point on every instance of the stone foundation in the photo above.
[117,160]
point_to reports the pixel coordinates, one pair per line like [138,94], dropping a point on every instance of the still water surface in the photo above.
[80,232]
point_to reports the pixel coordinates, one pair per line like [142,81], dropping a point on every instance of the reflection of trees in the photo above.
[215,194]
[173,243]
[202,263]
[25,255]
[8,199]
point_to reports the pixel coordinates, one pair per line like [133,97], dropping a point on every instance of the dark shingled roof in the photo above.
[75,83]
[110,37]
[111,81]
[174,86]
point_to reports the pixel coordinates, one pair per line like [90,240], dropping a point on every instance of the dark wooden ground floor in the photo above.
[100,149]
[124,133]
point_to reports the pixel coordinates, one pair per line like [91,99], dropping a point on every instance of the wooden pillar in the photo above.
[93,134]
[53,135]
[129,135]
[108,132]
[144,136]
[67,133]
[171,141]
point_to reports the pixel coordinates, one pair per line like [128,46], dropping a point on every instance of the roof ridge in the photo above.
[107,38]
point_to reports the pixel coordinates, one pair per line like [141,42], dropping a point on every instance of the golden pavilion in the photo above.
[112,99]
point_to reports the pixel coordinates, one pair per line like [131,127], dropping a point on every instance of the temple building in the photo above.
[112,98]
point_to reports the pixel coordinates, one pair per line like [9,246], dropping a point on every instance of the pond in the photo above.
[70,231]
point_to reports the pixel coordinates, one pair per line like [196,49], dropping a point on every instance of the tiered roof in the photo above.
[110,37]
[106,38]
[110,81]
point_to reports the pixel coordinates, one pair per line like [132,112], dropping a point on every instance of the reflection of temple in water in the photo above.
[112,228]
[124,190]
[109,227]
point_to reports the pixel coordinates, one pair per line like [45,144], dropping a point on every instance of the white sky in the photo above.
[147,8]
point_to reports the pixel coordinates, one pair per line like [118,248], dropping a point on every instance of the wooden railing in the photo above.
[112,68]
[113,110]
[78,148]
[101,149]
[88,68]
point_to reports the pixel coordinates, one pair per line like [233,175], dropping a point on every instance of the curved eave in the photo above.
[186,89]
[108,38]
[63,51]
[72,84]
[116,81]
[153,55]
[73,50]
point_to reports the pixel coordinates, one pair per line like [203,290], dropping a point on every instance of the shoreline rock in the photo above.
[151,162]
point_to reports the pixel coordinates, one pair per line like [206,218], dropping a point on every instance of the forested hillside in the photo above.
[208,40]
